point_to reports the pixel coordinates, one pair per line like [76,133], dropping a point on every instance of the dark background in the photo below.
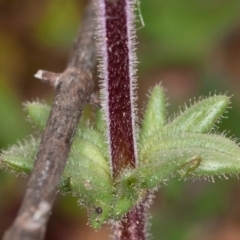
[191,46]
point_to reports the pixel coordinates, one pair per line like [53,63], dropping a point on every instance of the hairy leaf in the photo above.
[204,160]
[95,137]
[181,140]
[179,149]
[92,184]
[100,124]
[20,158]
[202,116]
[86,175]
[155,114]
[37,113]
[199,118]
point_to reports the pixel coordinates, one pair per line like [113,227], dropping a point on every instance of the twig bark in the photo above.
[73,90]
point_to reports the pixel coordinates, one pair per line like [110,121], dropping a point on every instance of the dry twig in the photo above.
[73,90]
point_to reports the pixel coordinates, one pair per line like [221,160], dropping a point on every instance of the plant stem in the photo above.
[73,91]
[116,38]
[118,81]
[132,225]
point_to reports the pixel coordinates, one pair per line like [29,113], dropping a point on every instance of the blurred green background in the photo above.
[191,46]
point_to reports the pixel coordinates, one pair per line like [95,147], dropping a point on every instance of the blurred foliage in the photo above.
[182,31]
[57,27]
[192,46]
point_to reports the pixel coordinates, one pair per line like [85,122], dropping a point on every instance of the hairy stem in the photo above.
[117,70]
[117,51]
[119,87]
[133,225]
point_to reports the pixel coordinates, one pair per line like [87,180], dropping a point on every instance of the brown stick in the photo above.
[73,89]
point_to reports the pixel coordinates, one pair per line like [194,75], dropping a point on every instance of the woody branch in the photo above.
[73,90]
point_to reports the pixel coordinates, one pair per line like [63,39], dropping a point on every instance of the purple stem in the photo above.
[116,35]
[133,225]
[117,65]
[119,90]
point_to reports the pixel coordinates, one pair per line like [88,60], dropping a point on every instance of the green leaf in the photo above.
[218,154]
[180,154]
[136,183]
[182,140]
[157,172]
[179,149]
[202,116]
[100,123]
[211,156]
[20,158]
[199,118]
[38,113]
[92,184]
[92,152]
[95,137]
[86,175]
[155,114]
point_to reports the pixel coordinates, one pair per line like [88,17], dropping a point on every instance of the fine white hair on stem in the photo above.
[103,51]
[132,68]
